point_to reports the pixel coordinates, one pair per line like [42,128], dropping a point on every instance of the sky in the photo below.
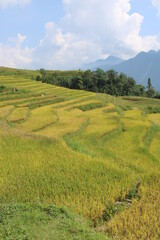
[65,34]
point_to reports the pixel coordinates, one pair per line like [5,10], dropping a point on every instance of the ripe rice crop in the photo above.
[4,111]
[39,118]
[18,115]
[101,161]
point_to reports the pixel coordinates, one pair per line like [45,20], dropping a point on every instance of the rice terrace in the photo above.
[76,164]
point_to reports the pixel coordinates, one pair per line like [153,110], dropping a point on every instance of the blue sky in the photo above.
[29,20]
[151,22]
[65,34]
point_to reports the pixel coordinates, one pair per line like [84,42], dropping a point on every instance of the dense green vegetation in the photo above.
[94,154]
[26,222]
[109,82]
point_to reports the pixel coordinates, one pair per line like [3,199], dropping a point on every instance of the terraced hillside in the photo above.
[96,155]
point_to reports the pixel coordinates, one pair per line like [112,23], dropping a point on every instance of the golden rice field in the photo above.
[94,154]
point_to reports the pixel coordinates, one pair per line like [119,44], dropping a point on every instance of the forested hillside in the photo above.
[109,82]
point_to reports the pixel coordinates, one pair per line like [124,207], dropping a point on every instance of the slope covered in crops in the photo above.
[94,154]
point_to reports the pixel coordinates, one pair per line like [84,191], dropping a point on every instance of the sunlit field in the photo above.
[95,155]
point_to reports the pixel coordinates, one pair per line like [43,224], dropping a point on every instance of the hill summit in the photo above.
[140,67]
[103,63]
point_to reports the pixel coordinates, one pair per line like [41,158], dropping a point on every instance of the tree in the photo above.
[109,82]
[149,84]
[42,72]
[113,83]
[157,95]
[150,90]
[100,79]
[139,90]
[88,80]
[38,78]
[76,82]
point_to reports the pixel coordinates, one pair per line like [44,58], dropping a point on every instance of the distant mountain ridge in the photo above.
[140,67]
[103,63]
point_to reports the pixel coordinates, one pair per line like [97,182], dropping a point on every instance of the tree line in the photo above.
[109,82]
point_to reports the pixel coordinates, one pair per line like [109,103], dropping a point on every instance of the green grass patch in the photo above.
[90,106]
[26,222]
[151,109]
[150,134]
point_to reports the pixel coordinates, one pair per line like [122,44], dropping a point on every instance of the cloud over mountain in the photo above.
[89,30]
[93,29]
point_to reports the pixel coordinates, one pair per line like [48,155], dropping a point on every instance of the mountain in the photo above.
[140,67]
[103,63]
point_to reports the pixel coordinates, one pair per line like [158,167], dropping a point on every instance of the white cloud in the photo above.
[63,50]
[156,4]
[93,29]
[13,54]
[89,30]
[109,24]
[5,3]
